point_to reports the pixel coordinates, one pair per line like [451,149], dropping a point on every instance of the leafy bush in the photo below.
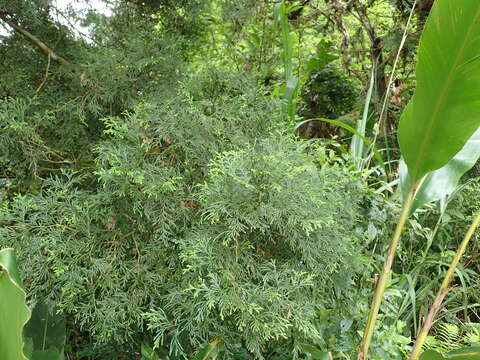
[328,93]
[199,219]
[274,243]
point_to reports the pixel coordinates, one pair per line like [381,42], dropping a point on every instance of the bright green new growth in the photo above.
[14,312]
[265,255]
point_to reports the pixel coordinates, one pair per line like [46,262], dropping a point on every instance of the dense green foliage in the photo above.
[13,308]
[159,196]
[266,223]
[328,93]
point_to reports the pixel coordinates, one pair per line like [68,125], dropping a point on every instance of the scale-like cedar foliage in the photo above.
[200,218]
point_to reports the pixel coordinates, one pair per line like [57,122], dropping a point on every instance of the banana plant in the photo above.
[14,312]
[26,335]
[442,182]
[443,114]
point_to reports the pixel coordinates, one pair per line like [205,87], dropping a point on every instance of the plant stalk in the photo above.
[432,237]
[422,335]
[385,275]
[36,41]
[380,124]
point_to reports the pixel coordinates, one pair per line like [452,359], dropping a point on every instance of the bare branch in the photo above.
[46,76]
[36,41]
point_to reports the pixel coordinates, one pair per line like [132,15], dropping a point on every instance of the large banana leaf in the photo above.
[445,109]
[442,182]
[472,353]
[14,312]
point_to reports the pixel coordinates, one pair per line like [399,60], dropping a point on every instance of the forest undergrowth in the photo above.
[223,174]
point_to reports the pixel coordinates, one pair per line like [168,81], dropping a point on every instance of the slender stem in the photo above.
[460,252]
[384,277]
[422,336]
[40,87]
[432,237]
[379,125]
[35,40]
[45,331]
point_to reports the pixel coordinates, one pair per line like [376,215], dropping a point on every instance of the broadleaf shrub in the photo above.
[328,93]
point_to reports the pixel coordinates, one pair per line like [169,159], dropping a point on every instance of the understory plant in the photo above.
[162,207]
[25,334]
[428,138]
[200,219]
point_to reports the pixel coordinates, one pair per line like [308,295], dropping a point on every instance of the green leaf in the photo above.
[14,312]
[321,60]
[290,95]
[46,328]
[291,88]
[8,261]
[208,351]
[49,354]
[28,347]
[351,130]
[471,353]
[356,147]
[442,182]
[293,8]
[281,19]
[445,109]
[148,353]
[431,355]
[289,39]
[315,353]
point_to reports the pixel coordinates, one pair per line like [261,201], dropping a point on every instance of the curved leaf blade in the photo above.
[445,109]
[442,182]
[472,353]
[431,355]
[8,261]
[315,353]
[208,351]
[357,143]
[351,130]
[14,312]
